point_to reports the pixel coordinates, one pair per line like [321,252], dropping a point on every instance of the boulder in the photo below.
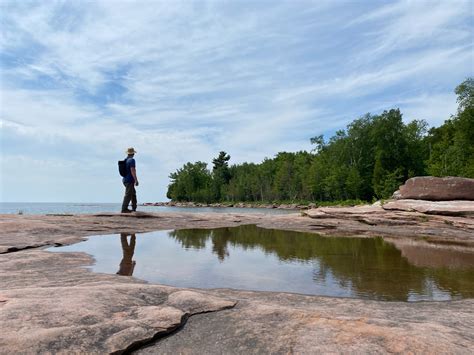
[436,189]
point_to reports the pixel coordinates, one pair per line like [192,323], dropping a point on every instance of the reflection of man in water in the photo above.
[127,264]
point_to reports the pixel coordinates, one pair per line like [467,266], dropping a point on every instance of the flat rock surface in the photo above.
[19,232]
[264,323]
[440,222]
[49,302]
[448,208]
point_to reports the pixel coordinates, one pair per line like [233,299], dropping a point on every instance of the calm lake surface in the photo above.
[79,208]
[252,258]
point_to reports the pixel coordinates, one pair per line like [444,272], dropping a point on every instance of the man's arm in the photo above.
[134,174]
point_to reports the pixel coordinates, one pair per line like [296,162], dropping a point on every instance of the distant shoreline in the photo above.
[291,206]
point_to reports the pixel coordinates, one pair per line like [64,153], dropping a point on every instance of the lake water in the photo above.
[79,208]
[252,258]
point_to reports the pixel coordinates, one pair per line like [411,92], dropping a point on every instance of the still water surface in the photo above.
[252,258]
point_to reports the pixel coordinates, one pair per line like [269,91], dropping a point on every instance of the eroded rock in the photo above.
[195,302]
[447,208]
[436,189]
[50,304]
[64,308]
[275,323]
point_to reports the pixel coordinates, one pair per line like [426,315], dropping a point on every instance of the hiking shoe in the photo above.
[126,211]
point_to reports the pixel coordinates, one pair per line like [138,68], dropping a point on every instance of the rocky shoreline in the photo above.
[290,206]
[50,302]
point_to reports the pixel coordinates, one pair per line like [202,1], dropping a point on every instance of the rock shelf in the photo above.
[49,302]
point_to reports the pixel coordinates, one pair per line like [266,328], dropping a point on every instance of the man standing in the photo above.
[130,181]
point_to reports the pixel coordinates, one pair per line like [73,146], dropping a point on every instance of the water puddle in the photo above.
[253,258]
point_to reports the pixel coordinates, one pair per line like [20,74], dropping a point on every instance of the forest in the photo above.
[368,160]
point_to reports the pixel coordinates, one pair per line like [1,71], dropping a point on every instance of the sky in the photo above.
[80,81]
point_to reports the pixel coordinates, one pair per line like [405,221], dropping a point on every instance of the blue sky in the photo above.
[181,80]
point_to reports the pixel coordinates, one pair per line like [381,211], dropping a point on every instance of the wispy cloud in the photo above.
[181,80]
[409,24]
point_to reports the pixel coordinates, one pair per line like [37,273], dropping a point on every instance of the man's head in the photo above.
[131,152]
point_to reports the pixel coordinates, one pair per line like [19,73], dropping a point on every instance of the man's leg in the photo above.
[127,197]
[134,198]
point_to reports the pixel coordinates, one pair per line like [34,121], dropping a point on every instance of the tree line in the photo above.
[368,160]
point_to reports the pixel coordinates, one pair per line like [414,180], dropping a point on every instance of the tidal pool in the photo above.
[253,258]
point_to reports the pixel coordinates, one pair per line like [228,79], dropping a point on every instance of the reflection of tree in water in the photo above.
[196,239]
[370,265]
[191,238]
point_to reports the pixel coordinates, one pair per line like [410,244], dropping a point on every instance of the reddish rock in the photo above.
[447,208]
[436,189]
[50,303]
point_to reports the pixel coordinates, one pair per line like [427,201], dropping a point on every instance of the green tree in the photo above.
[190,183]
[465,92]
[353,183]
[370,158]
[451,146]
[220,175]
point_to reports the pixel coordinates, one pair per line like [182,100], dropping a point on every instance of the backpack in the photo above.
[122,166]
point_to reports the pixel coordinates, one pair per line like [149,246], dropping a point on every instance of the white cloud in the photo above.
[434,108]
[408,24]
[182,80]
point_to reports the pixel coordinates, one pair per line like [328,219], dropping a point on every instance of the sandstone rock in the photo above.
[396,195]
[275,323]
[316,213]
[194,302]
[33,231]
[447,208]
[322,212]
[49,303]
[436,189]
[52,305]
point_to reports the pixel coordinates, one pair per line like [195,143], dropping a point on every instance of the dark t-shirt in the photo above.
[129,164]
